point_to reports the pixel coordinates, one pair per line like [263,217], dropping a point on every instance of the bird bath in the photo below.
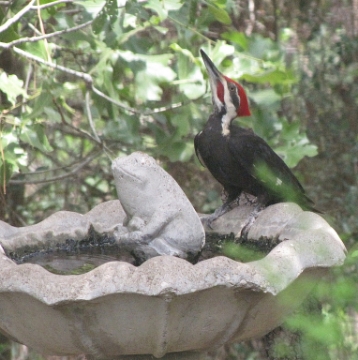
[167,307]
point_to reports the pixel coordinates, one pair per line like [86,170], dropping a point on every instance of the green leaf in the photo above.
[44,99]
[12,157]
[220,14]
[172,5]
[157,7]
[12,86]
[219,52]
[272,77]
[42,2]
[162,7]
[191,81]
[10,33]
[185,52]
[7,139]
[295,144]
[151,71]
[296,152]
[38,49]
[93,7]
[35,136]
[6,170]
[260,47]
[238,38]
[266,97]
[179,151]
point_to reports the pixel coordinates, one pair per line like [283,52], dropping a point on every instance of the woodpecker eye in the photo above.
[232,88]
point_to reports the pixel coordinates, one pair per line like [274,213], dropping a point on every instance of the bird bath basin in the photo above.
[166,307]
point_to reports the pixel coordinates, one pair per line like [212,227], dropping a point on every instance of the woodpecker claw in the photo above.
[252,218]
[207,221]
[223,209]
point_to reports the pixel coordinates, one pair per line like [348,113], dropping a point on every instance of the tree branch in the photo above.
[85,77]
[89,116]
[89,83]
[54,3]
[17,16]
[60,177]
[78,132]
[45,36]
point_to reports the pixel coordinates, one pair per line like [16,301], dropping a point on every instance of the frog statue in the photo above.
[159,220]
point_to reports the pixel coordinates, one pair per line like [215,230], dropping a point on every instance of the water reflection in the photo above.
[74,264]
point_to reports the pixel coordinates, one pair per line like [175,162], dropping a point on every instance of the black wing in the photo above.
[262,163]
[197,152]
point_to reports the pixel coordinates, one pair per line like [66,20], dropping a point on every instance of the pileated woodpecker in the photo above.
[238,159]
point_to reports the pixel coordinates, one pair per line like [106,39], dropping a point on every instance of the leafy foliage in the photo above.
[132,79]
[147,90]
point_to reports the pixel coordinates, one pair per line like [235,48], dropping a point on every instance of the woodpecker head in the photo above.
[226,93]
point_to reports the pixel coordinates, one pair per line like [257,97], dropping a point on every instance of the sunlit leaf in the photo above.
[266,97]
[219,52]
[12,86]
[38,48]
[93,7]
[294,153]
[35,136]
[273,76]
[237,38]
[220,14]
[157,6]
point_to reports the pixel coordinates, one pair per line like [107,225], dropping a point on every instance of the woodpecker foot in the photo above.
[251,219]
[246,198]
[210,219]
[223,209]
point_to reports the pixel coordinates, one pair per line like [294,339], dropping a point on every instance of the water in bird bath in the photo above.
[72,257]
[69,264]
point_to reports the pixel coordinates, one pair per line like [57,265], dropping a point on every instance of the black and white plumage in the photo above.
[238,159]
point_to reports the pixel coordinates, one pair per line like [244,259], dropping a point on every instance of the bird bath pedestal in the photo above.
[167,307]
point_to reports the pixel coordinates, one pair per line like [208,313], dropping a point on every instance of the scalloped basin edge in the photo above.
[167,304]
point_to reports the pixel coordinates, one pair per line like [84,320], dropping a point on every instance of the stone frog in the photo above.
[160,220]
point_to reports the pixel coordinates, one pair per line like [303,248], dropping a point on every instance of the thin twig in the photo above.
[85,77]
[54,3]
[3,161]
[89,115]
[17,16]
[33,28]
[135,111]
[89,83]
[43,32]
[197,32]
[60,177]
[79,132]
[45,36]
[83,133]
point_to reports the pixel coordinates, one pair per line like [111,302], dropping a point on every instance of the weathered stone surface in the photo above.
[47,234]
[153,217]
[166,305]
[106,216]
[274,219]
[160,219]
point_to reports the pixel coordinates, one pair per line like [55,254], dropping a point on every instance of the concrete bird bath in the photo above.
[166,307]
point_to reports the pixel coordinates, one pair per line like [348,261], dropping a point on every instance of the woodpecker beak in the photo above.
[216,79]
[214,73]
[220,92]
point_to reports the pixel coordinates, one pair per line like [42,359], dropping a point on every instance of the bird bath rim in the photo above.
[167,293]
